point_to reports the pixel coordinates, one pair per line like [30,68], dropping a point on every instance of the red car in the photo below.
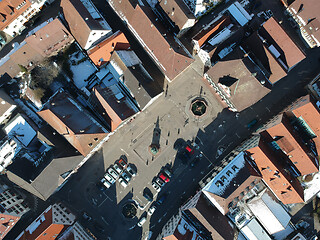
[164,178]
[190,150]
[122,163]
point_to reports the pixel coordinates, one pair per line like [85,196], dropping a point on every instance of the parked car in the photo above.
[117,168]
[151,210]
[105,183]
[160,182]
[148,196]
[167,172]
[164,177]
[141,221]
[122,163]
[126,176]
[252,123]
[110,179]
[131,171]
[113,173]
[156,186]
[162,199]
[189,150]
[123,182]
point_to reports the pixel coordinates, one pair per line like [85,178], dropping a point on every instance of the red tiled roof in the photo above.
[311,115]
[216,27]
[177,11]
[6,7]
[74,124]
[117,110]
[50,39]
[271,67]
[101,53]
[6,224]
[159,43]
[292,54]
[283,185]
[310,15]
[45,230]
[288,141]
[79,20]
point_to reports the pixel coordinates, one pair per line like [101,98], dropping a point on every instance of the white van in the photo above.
[141,221]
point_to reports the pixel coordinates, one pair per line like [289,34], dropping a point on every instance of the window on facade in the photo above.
[234,168]
[229,173]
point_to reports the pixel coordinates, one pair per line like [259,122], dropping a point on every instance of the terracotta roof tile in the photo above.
[290,142]
[283,185]
[159,43]
[64,115]
[50,39]
[177,11]
[215,28]
[6,6]
[101,53]
[311,115]
[290,53]
[117,110]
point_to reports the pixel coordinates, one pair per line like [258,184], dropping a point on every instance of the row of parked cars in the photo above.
[163,177]
[120,171]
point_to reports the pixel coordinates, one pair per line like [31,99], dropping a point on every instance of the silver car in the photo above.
[109,178]
[105,183]
[131,171]
[156,186]
[113,173]
[123,182]
[126,176]
[117,168]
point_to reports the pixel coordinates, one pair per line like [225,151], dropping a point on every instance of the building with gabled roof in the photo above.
[56,222]
[287,139]
[235,77]
[7,106]
[286,52]
[206,34]
[49,37]
[70,120]
[231,184]
[274,172]
[261,54]
[112,104]
[135,78]
[309,116]
[207,218]
[101,53]
[44,41]
[306,15]
[85,22]
[165,50]
[270,213]
[12,208]
[10,12]
[179,13]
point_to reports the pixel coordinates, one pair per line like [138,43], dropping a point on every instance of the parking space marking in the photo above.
[104,221]
[222,138]
[124,152]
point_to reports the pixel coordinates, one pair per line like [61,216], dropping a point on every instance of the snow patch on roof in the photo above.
[20,129]
[81,71]
[217,185]
[270,213]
